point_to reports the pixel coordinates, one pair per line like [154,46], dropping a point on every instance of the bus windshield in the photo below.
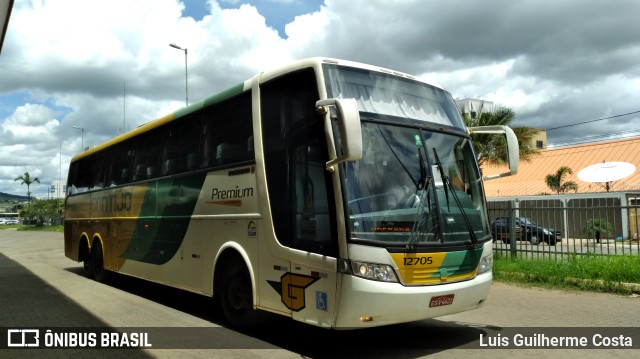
[390,95]
[414,187]
[417,183]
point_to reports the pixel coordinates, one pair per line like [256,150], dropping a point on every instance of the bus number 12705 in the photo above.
[414,261]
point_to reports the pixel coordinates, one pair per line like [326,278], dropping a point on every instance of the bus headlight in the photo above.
[373,271]
[486,264]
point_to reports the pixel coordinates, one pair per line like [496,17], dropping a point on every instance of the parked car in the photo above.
[526,229]
[11,221]
[3,220]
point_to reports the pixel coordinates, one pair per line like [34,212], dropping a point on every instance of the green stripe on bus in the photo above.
[460,262]
[164,218]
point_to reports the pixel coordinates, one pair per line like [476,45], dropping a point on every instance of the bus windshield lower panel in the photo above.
[414,188]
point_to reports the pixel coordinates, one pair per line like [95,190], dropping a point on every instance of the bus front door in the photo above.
[313,258]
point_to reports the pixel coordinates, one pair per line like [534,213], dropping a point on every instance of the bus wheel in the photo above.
[97,262]
[236,296]
[87,261]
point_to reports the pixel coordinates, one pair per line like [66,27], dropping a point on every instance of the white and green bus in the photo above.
[336,193]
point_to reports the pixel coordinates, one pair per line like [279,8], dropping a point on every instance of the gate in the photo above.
[595,226]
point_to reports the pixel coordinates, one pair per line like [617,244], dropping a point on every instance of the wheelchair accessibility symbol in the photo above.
[321,301]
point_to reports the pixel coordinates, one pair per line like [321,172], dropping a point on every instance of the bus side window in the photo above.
[229,153]
[81,175]
[207,142]
[98,171]
[169,167]
[192,161]
[294,156]
[179,141]
[151,172]
[116,165]
[138,175]
[226,133]
[146,158]
[312,223]
[124,177]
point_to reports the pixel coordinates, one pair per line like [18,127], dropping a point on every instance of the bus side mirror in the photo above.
[348,118]
[513,150]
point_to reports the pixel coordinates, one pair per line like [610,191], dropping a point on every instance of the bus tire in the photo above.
[97,259]
[87,261]
[236,296]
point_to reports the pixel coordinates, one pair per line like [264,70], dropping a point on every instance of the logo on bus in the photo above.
[291,288]
[230,197]
[113,202]
[218,194]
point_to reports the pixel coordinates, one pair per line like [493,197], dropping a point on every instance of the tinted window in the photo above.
[227,135]
[221,134]
[295,154]
[145,156]
[181,141]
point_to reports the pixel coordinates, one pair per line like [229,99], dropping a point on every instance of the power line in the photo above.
[595,138]
[600,119]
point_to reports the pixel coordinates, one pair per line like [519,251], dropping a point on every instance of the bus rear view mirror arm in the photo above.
[348,118]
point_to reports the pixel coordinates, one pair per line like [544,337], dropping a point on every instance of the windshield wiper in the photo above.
[447,185]
[423,188]
[421,184]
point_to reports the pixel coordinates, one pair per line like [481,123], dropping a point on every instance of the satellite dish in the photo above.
[606,172]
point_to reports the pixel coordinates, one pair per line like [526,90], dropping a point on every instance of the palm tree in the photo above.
[598,226]
[557,183]
[492,149]
[26,179]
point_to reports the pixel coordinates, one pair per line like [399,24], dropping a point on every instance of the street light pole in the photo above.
[82,137]
[186,83]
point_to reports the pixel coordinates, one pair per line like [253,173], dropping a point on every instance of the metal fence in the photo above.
[587,227]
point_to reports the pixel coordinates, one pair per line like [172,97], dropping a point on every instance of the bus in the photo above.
[336,193]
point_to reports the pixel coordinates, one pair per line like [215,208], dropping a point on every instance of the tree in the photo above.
[26,179]
[43,211]
[557,183]
[492,149]
[598,226]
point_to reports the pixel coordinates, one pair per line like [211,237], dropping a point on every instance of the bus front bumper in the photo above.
[365,303]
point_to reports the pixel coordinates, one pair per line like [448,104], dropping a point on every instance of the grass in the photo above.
[42,228]
[590,273]
[611,274]
[21,227]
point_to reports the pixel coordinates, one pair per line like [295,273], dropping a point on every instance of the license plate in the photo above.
[441,300]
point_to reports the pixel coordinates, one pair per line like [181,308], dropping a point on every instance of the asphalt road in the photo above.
[41,288]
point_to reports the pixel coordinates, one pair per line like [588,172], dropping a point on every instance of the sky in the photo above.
[76,73]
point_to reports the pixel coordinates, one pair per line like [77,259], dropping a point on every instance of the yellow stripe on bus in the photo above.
[427,268]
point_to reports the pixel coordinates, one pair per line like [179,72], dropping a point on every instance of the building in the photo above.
[539,140]
[57,189]
[527,194]
[474,107]
[531,176]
